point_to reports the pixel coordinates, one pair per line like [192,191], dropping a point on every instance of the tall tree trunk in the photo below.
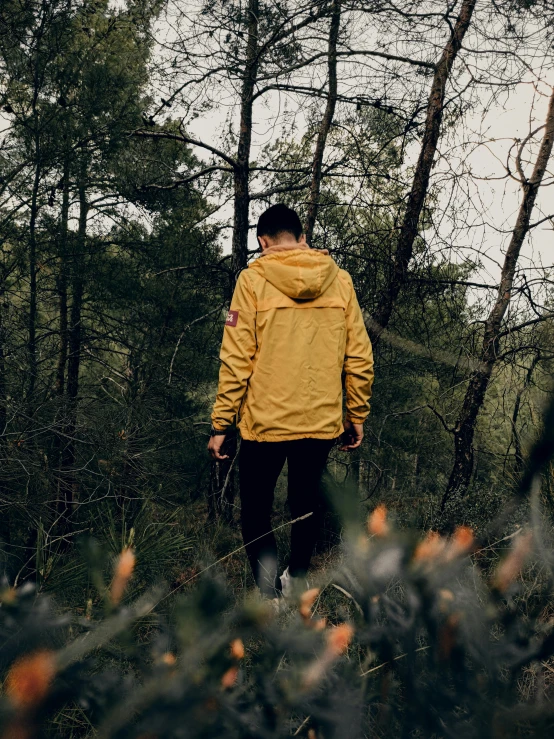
[32,345]
[329,528]
[60,439]
[326,122]
[516,439]
[75,329]
[408,231]
[464,430]
[222,471]
[74,345]
[5,529]
[37,84]
[62,284]
[242,168]
[3,388]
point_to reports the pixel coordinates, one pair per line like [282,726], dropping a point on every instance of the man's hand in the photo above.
[214,447]
[352,437]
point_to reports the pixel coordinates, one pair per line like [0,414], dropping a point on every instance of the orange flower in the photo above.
[168,659]
[338,639]
[123,571]
[237,649]
[430,548]
[446,597]
[30,677]
[377,523]
[9,595]
[230,677]
[511,566]
[307,600]
[463,537]
[461,542]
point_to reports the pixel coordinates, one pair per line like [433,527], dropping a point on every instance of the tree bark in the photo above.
[409,229]
[5,493]
[62,285]
[61,364]
[75,330]
[464,429]
[223,471]
[3,387]
[516,439]
[37,83]
[242,165]
[32,345]
[69,481]
[326,122]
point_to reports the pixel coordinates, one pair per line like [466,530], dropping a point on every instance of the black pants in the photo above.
[260,463]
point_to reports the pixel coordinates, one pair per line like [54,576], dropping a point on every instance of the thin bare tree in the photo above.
[464,430]
[242,160]
[420,185]
[326,122]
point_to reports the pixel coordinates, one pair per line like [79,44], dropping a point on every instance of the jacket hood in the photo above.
[301,273]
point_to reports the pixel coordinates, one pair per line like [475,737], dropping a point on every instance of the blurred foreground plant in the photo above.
[418,640]
[410,636]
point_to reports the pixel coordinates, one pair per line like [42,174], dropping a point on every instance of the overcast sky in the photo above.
[496,198]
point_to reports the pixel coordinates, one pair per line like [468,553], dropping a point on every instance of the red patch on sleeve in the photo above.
[232,318]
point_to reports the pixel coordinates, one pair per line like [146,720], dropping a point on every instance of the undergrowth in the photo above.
[402,636]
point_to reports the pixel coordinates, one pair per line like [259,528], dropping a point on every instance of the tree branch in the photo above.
[525,324]
[185,180]
[186,140]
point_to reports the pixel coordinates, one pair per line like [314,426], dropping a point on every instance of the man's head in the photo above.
[278,225]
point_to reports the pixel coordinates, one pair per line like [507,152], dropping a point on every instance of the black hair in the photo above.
[279,219]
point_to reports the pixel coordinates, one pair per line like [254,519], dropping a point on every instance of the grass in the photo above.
[441,622]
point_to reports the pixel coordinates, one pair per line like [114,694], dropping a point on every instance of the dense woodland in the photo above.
[139,142]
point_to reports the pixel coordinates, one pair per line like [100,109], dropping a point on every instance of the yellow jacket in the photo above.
[293,329]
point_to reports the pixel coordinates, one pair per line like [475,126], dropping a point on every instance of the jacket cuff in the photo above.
[219,427]
[355,419]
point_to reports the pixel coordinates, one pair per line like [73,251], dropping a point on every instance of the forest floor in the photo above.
[215,540]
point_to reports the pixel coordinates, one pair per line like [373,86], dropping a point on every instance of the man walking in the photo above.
[293,331]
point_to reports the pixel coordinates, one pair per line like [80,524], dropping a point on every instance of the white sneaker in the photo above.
[292,585]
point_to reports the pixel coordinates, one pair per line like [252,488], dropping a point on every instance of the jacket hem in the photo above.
[249,436]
